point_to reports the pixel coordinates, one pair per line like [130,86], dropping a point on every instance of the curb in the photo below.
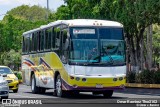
[136,85]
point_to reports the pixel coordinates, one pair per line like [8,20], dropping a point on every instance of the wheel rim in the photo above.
[58,86]
[32,84]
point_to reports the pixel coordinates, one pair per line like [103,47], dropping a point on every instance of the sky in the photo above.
[6,5]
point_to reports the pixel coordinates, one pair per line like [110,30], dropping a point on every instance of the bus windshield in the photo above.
[103,46]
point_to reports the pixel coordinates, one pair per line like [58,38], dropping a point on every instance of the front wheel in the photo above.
[59,91]
[108,93]
[34,88]
[42,90]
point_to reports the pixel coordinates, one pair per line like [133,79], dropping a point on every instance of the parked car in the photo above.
[11,78]
[4,89]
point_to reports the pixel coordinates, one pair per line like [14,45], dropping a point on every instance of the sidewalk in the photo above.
[137,85]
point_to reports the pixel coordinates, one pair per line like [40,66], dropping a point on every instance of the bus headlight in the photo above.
[77,78]
[114,79]
[84,79]
[120,78]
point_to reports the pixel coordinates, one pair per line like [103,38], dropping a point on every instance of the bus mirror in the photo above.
[66,44]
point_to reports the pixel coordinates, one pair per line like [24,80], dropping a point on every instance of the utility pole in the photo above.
[47,9]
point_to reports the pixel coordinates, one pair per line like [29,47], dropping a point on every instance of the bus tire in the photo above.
[42,90]
[108,93]
[58,87]
[34,88]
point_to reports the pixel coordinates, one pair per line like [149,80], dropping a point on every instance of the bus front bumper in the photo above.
[68,87]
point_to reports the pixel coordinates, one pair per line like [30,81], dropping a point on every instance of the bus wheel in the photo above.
[108,93]
[34,88]
[59,91]
[42,90]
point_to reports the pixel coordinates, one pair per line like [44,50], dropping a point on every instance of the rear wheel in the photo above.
[42,90]
[108,93]
[34,88]
[59,91]
[96,93]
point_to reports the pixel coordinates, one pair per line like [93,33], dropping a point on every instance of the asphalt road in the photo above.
[87,99]
[25,92]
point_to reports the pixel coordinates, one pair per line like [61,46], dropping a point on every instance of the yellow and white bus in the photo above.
[81,55]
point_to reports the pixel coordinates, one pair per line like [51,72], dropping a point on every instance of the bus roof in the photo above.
[79,22]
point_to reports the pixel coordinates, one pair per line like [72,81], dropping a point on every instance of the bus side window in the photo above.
[41,40]
[49,37]
[64,56]
[27,44]
[30,43]
[38,40]
[57,30]
[35,42]
[64,37]
[48,33]
[23,45]
[53,38]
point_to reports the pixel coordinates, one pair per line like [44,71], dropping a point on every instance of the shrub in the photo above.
[131,77]
[18,75]
[157,77]
[146,77]
[137,78]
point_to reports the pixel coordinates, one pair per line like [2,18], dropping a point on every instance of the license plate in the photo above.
[99,86]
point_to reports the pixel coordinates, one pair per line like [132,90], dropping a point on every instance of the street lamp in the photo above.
[47,8]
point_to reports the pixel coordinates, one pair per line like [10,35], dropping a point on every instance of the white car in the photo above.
[4,88]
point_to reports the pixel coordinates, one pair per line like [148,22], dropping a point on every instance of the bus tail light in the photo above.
[120,78]
[84,79]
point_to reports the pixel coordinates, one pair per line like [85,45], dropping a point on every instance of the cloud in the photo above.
[14,3]
[6,5]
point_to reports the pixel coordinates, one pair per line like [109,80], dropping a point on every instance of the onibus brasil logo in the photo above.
[17,102]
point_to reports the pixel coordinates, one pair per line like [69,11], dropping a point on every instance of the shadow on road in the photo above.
[140,91]
[80,96]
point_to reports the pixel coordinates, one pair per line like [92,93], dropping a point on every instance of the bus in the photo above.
[72,56]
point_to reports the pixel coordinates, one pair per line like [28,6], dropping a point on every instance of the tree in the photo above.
[33,13]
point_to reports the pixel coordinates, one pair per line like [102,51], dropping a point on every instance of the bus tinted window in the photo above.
[83,33]
[35,41]
[57,31]
[111,33]
[26,44]
[42,40]
[38,41]
[48,33]
[53,38]
[23,46]
[30,42]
